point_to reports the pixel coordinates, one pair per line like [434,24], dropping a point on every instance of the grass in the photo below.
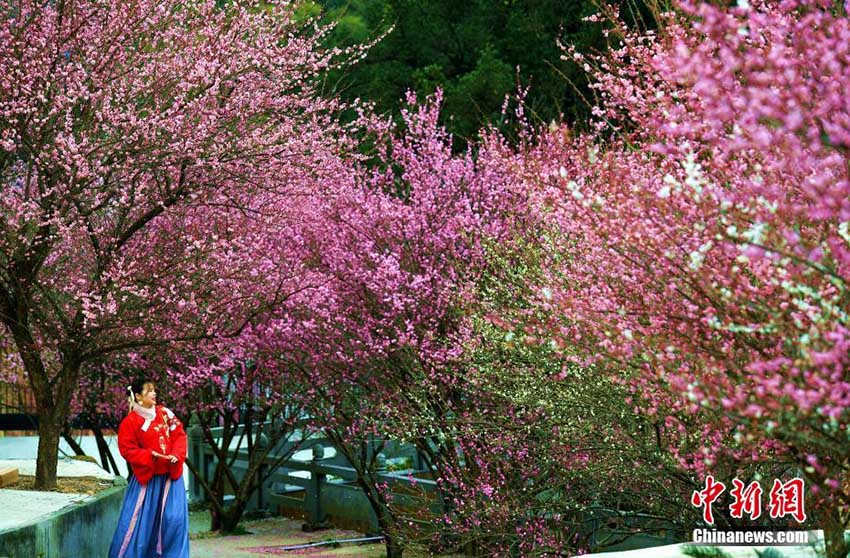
[695,551]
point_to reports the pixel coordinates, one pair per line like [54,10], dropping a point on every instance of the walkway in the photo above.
[267,536]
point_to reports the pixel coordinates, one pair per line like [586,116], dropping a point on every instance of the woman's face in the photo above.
[147,398]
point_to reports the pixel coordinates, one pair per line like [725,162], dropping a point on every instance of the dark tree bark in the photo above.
[260,462]
[49,430]
[69,439]
[833,531]
[106,458]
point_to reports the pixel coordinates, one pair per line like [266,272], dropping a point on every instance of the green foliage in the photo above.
[477,51]
[240,530]
[399,463]
[695,551]
[307,10]
[593,451]
[769,552]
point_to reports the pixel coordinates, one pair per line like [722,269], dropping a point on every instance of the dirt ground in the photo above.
[268,537]
[65,485]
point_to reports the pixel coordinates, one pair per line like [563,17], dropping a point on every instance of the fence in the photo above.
[17,407]
[319,485]
[16,397]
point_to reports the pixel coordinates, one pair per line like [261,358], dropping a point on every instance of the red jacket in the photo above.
[140,436]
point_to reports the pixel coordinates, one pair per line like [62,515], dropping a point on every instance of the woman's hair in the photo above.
[136,388]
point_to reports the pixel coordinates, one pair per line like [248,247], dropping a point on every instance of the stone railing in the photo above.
[319,485]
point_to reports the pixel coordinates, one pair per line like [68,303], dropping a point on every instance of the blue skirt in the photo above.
[154,521]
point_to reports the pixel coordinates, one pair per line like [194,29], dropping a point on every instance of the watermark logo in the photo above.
[757,538]
[788,499]
[745,500]
[706,497]
[785,499]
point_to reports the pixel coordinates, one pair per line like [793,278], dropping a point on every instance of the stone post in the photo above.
[259,502]
[316,516]
[196,454]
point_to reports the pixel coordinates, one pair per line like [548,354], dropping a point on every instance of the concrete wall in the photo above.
[82,530]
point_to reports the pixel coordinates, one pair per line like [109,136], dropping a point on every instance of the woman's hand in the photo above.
[170,458]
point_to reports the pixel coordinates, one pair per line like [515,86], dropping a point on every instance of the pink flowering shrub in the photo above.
[380,334]
[705,243]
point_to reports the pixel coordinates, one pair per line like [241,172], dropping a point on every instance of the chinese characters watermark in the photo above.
[785,499]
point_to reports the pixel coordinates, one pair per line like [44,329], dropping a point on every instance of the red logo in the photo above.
[787,499]
[704,498]
[746,500]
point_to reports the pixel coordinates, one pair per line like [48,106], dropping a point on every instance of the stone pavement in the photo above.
[23,506]
[267,536]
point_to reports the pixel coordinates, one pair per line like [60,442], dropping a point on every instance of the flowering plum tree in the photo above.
[379,339]
[133,139]
[706,242]
[227,381]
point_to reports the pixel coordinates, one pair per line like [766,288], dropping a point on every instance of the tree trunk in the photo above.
[394,550]
[215,522]
[230,518]
[53,408]
[49,431]
[833,532]
[69,439]
[218,484]
[52,396]
[53,411]
[106,458]
[386,522]
[50,417]
[112,462]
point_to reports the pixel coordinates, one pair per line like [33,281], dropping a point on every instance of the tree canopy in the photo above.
[477,52]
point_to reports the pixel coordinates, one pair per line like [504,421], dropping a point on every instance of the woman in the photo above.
[154,519]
